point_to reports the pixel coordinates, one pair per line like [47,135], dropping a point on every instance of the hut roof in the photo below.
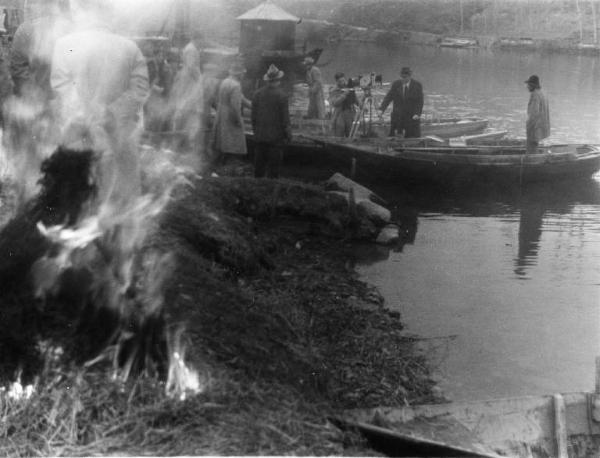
[267,11]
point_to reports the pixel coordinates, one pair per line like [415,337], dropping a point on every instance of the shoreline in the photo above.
[336,32]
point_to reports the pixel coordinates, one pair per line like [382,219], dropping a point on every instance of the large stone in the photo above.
[388,235]
[341,183]
[376,213]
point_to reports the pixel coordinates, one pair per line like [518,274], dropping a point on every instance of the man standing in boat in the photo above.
[537,126]
[407,97]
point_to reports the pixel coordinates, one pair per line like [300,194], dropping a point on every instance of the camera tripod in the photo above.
[365,107]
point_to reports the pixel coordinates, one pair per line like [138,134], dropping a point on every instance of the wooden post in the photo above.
[598,375]
[595,21]
[560,426]
[580,18]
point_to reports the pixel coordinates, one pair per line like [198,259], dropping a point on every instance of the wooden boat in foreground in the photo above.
[445,163]
[560,425]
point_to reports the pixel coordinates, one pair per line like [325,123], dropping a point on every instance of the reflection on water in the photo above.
[463,274]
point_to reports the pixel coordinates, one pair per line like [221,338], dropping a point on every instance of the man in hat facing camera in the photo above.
[316,101]
[229,137]
[271,124]
[537,126]
[344,102]
[407,97]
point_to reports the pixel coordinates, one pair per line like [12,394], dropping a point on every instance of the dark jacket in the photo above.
[270,115]
[404,107]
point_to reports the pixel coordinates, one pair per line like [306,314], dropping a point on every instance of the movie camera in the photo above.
[365,83]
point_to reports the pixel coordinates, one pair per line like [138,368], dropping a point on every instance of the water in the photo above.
[506,284]
[479,82]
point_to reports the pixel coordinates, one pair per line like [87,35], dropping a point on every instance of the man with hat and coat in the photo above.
[229,137]
[271,124]
[407,96]
[537,126]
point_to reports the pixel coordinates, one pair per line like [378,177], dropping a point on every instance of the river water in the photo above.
[506,284]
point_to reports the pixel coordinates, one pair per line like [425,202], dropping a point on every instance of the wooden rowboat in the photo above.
[454,164]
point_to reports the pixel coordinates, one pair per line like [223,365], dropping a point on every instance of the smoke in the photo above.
[85,94]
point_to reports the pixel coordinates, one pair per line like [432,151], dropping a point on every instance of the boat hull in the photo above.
[450,165]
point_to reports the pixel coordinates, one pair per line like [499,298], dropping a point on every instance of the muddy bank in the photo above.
[277,323]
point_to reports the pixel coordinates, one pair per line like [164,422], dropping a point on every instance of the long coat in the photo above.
[229,134]
[271,116]
[538,116]
[316,101]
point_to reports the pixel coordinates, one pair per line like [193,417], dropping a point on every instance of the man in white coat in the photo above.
[101,83]
[537,126]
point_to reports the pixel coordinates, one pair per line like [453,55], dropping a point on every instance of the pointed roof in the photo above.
[267,11]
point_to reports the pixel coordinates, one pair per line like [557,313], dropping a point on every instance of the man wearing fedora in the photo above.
[537,126]
[229,138]
[271,124]
[407,96]
[316,100]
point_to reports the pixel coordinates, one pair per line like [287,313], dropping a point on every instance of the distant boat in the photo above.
[440,127]
[449,42]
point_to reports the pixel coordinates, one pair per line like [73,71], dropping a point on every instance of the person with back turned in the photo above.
[271,124]
[101,83]
[407,96]
[537,126]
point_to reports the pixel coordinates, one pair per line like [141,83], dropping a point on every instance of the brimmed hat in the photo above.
[406,71]
[338,75]
[273,74]
[237,69]
[308,61]
[534,80]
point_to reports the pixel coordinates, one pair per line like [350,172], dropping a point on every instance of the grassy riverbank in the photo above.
[282,331]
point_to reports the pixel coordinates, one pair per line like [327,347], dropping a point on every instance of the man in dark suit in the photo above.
[407,96]
[271,124]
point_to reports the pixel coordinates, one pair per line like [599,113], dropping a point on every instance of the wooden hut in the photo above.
[267,27]
[268,36]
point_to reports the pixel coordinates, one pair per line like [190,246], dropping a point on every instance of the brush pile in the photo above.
[281,332]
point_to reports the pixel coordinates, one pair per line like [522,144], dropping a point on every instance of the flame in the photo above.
[182,381]
[16,391]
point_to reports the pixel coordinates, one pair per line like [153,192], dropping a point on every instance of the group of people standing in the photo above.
[406,97]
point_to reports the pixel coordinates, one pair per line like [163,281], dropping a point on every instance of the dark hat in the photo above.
[273,74]
[534,80]
[406,71]
[338,75]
